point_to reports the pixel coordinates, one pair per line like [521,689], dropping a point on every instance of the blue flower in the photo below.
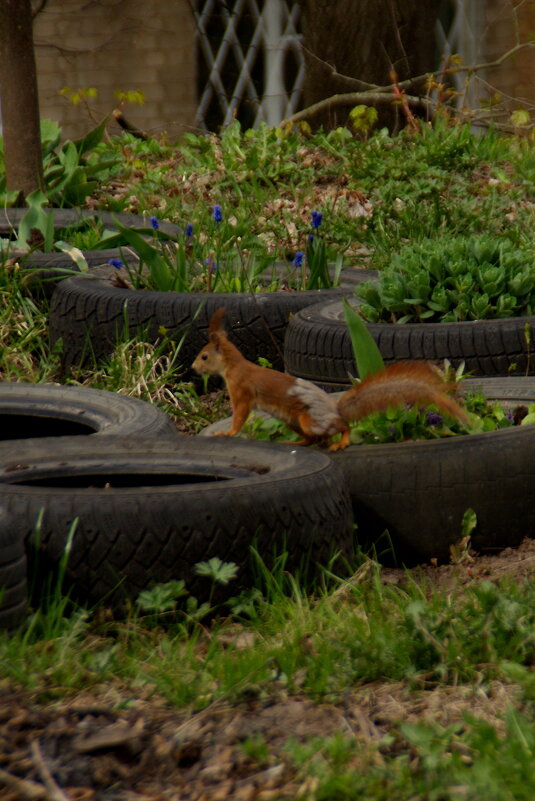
[189,230]
[117,263]
[154,222]
[298,261]
[317,217]
[433,419]
[217,213]
[310,238]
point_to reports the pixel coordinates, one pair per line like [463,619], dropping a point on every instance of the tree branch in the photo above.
[371,97]
[374,94]
[38,8]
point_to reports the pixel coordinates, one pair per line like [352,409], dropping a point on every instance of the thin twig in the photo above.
[38,8]
[54,792]
[426,76]
[28,790]
[373,97]
[375,94]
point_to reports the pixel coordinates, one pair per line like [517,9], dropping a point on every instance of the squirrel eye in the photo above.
[204,357]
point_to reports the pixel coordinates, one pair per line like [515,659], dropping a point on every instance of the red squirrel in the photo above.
[307,409]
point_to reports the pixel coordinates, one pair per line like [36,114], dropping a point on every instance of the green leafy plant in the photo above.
[162,597]
[36,231]
[73,169]
[367,355]
[454,279]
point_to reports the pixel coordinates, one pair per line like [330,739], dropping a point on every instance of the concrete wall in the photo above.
[125,45]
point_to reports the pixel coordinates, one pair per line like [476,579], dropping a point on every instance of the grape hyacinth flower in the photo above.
[317,217]
[154,223]
[298,261]
[433,419]
[117,263]
[217,213]
[189,230]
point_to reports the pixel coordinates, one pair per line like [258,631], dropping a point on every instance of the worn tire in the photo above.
[48,268]
[90,316]
[47,410]
[145,528]
[13,575]
[317,345]
[419,491]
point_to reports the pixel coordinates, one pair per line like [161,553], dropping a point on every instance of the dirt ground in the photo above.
[105,746]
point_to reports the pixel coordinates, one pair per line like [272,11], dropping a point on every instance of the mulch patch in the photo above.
[90,748]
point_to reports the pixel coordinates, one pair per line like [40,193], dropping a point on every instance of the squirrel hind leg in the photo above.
[303,426]
[343,442]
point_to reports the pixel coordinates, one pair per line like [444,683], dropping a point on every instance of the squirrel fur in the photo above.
[307,409]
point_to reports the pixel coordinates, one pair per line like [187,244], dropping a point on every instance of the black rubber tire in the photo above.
[47,268]
[90,316]
[145,529]
[47,410]
[13,574]
[317,345]
[419,491]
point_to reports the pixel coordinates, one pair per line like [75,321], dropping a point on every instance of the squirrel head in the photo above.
[210,360]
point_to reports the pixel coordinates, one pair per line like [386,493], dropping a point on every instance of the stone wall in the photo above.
[125,45]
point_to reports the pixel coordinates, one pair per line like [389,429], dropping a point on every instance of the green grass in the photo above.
[319,646]
[338,645]
[328,648]
[376,194]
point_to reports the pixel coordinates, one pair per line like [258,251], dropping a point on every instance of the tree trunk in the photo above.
[20,104]
[366,40]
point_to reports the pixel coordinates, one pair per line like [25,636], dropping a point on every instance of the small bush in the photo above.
[450,280]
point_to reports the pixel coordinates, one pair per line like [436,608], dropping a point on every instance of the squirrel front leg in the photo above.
[242,404]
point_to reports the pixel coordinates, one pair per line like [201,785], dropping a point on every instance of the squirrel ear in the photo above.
[216,322]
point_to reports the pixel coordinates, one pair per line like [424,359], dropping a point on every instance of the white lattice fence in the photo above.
[250,61]
[459,31]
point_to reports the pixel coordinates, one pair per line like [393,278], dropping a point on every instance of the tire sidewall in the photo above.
[318,345]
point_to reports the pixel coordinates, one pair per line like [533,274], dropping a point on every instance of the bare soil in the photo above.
[106,745]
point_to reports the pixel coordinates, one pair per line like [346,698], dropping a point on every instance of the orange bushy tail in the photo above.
[416,383]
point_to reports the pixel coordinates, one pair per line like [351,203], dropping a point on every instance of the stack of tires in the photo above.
[143,504]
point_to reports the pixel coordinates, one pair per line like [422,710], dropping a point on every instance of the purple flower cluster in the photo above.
[317,217]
